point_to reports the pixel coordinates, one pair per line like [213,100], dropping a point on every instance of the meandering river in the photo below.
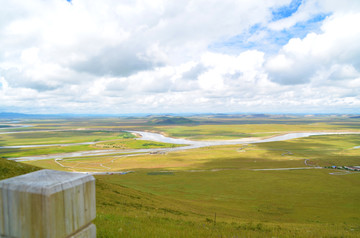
[188,144]
[288,136]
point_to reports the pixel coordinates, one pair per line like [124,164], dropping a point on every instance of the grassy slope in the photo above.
[246,203]
[267,196]
[304,203]
[308,203]
[10,169]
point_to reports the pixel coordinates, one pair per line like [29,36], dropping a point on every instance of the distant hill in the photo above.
[171,121]
[13,115]
[224,115]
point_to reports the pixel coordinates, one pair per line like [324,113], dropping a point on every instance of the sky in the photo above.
[189,56]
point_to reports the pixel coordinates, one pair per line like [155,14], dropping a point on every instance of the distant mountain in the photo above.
[12,115]
[224,115]
[165,120]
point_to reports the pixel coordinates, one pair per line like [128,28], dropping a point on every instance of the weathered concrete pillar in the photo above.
[48,203]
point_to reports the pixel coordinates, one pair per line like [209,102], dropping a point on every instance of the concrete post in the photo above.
[49,204]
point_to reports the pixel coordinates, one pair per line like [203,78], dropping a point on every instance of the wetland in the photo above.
[216,178]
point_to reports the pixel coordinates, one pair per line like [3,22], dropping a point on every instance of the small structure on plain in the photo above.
[48,203]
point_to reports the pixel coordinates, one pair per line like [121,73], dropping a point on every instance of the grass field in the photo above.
[220,132]
[10,169]
[60,137]
[226,157]
[102,140]
[306,203]
[325,150]
[211,191]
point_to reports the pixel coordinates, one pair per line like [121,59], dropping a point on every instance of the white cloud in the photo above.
[335,48]
[154,56]
[312,8]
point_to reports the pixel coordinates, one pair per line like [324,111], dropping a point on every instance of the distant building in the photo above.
[352,168]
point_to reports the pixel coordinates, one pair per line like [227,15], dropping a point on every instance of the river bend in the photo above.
[188,144]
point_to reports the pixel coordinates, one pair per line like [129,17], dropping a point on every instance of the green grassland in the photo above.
[10,169]
[220,132]
[105,139]
[60,137]
[306,203]
[133,144]
[325,150]
[33,151]
[212,191]
[121,144]
[217,157]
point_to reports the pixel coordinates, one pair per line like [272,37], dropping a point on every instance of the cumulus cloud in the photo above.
[335,49]
[157,56]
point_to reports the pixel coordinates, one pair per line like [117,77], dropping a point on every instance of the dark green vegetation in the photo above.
[133,144]
[10,169]
[171,121]
[211,191]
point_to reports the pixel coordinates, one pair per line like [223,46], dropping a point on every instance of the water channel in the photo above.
[188,144]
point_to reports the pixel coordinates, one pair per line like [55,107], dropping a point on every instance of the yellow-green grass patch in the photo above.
[219,132]
[306,203]
[59,137]
[216,157]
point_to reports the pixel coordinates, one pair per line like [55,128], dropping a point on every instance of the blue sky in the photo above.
[161,56]
[286,10]
[271,40]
